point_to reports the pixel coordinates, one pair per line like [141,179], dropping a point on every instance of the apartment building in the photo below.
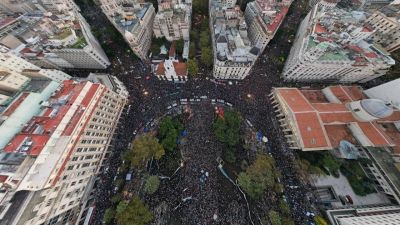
[11,82]
[61,40]
[48,169]
[314,119]
[335,46]
[380,215]
[134,20]
[173,20]
[386,23]
[30,6]
[234,55]
[263,18]
[19,65]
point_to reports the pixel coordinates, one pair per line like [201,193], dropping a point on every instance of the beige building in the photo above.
[386,22]
[134,21]
[57,156]
[173,20]
[11,82]
[382,215]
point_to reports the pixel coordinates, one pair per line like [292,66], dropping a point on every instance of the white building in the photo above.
[386,22]
[54,41]
[234,55]
[111,82]
[134,21]
[173,20]
[171,70]
[48,170]
[19,65]
[384,215]
[389,92]
[263,18]
[333,45]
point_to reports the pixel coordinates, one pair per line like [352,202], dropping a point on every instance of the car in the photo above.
[169,107]
[174,105]
[134,132]
[349,199]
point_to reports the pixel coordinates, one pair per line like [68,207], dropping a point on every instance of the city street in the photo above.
[149,99]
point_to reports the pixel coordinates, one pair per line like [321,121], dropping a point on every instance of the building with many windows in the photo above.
[173,20]
[263,18]
[314,119]
[386,22]
[380,215]
[48,169]
[335,46]
[50,40]
[234,55]
[134,20]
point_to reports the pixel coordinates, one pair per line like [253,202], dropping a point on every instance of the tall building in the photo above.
[134,20]
[234,55]
[380,215]
[263,18]
[321,119]
[51,40]
[173,20]
[389,92]
[386,23]
[48,169]
[36,6]
[334,46]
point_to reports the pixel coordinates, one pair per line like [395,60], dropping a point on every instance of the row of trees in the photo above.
[260,176]
[227,131]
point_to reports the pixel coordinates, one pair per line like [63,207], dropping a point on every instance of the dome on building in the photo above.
[377,108]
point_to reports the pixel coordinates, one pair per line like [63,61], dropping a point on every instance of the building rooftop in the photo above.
[341,35]
[322,118]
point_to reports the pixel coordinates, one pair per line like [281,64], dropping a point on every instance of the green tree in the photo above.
[258,176]
[192,66]
[151,185]
[227,129]
[133,213]
[179,46]
[144,148]
[109,215]
[116,198]
[169,132]
[200,6]
[194,35]
[284,207]
[192,50]
[206,56]
[331,163]
[287,221]
[319,220]
[204,39]
[274,217]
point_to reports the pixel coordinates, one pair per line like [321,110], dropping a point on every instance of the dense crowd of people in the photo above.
[149,99]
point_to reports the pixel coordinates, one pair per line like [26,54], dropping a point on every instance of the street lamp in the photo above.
[249,95]
[145,92]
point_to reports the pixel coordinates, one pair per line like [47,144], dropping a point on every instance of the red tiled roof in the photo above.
[295,100]
[180,68]
[371,55]
[311,130]
[33,149]
[272,27]
[160,69]
[3,178]
[324,125]
[319,29]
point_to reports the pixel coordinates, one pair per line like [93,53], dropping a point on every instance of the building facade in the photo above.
[173,20]
[386,22]
[320,119]
[57,155]
[134,21]
[334,46]
[384,215]
[234,54]
[263,19]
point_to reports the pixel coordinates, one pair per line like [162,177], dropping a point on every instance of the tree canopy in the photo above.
[144,148]
[274,217]
[192,66]
[151,185]
[109,215]
[134,212]
[227,129]
[169,132]
[207,56]
[258,176]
